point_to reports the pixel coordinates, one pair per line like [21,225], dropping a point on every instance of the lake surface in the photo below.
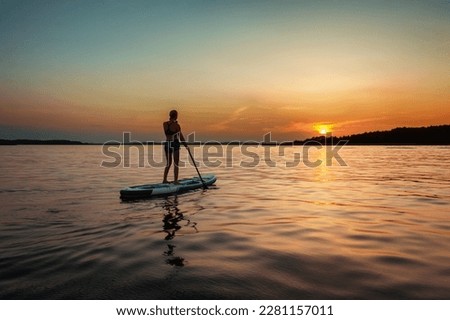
[377,228]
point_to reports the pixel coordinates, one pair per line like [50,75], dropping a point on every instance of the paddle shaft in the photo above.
[199,175]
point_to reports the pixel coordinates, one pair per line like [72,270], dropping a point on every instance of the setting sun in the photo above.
[323,128]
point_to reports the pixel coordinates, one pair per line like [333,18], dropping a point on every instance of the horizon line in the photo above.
[327,136]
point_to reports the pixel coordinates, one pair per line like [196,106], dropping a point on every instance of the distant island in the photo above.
[40,142]
[433,135]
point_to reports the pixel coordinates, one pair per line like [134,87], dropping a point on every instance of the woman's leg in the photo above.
[168,164]
[176,159]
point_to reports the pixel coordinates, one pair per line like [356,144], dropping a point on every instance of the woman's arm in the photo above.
[166,128]
[182,139]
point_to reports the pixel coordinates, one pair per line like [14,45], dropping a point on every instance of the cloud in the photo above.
[227,124]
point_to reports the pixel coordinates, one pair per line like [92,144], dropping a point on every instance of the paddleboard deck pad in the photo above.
[165,189]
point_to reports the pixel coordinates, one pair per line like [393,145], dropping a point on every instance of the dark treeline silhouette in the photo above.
[39,142]
[434,135]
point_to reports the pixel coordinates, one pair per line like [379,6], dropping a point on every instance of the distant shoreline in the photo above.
[293,144]
[412,136]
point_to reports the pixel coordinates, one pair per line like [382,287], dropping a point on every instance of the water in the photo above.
[378,228]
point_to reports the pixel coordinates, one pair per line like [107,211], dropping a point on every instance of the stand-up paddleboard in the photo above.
[164,189]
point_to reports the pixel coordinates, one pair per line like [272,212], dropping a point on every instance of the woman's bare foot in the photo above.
[165,181]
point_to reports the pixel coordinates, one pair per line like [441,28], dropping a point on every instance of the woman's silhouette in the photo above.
[174,138]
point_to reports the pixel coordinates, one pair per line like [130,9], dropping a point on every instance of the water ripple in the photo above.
[376,229]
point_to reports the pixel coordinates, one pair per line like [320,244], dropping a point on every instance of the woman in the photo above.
[174,137]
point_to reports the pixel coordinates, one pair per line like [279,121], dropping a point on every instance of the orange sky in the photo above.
[236,71]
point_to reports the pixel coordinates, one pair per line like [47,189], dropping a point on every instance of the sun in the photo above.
[323,129]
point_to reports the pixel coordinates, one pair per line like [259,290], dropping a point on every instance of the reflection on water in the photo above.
[173,260]
[378,228]
[171,218]
[171,224]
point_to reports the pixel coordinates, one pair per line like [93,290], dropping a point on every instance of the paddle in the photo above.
[193,161]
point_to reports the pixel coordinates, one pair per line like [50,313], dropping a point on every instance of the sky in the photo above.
[235,70]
